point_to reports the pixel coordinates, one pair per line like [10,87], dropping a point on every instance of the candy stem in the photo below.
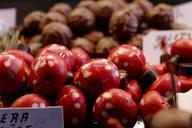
[168,64]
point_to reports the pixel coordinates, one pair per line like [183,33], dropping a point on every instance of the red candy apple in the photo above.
[183,48]
[80,56]
[31,100]
[117,104]
[74,106]
[47,74]
[13,74]
[129,58]
[28,58]
[164,86]
[151,103]
[61,51]
[97,76]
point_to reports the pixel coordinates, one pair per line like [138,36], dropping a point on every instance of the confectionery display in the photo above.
[89,60]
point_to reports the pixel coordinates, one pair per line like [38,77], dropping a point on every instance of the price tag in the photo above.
[7,19]
[51,117]
[182,13]
[152,43]
[184,101]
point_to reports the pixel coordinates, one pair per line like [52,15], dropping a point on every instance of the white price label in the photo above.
[183,13]
[184,101]
[7,19]
[152,43]
[51,117]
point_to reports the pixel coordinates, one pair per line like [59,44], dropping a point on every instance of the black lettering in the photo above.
[14,118]
[28,126]
[3,119]
[24,117]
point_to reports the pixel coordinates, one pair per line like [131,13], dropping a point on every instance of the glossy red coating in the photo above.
[164,86]
[151,103]
[47,74]
[28,58]
[118,104]
[74,106]
[183,48]
[31,100]
[13,74]
[61,51]
[80,56]
[97,76]
[135,90]
[128,58]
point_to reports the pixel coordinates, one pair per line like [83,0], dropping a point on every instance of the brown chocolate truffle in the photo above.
[104,12]
[84,44]
[56,32]
[145,5]
[32,22]
[53,17]
[94,36]
[81,20]
[61,8]
[123,24]
[89,4]
[105,45]
[161,16]
[135,10]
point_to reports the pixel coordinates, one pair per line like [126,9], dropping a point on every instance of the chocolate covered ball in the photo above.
[94,36]
[145,5]
[61,8]
[84,44]
[53,17]
[104,12]
[32,22]
[81,20]
[161,16]
[123,24]
[135,10]
[105,45]
[89,4]
[56,32]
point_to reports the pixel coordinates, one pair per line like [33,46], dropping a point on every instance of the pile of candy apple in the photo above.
[110,92]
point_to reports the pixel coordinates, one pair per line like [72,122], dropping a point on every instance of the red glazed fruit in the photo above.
[61,51]
[151,103]
[28,58]
[74,106]
[129,58]
[135,90]
[164,86]
[47,74]
[31,100]
[80,56]
[117,104]
[97,76]
[13,74]
[183,48]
